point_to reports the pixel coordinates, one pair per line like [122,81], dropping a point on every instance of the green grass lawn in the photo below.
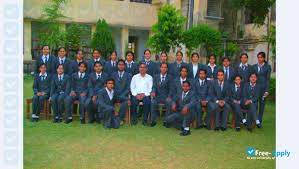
[49,145]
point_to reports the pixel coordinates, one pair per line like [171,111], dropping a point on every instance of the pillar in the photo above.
[27,40]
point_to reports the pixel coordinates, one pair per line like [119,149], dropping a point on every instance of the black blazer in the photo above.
[174,68]
[67,65]
[49,64]
[40,85]
[60,86]
[133,70]
[215,92]
[79,85]
[122,85]
[96,84]
[162,89]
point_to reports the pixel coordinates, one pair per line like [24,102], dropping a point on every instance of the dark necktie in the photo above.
[99,76]
[163,79]
[120,75]
[129,66]
[81,75]
[42,77]
[184,95]
[226,73]
[147,63]
[243,67]
[59,77]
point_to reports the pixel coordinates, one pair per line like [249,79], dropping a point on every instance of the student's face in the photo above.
[202,75]
[129,57]
[220,76]
[79,55]
[98,68]
[225,62]
[195,59]
[121,66]
[110,85]
[43,69]
[142,69]
[238,80]
[61,52]
[212,60]
[179,57]
[260,59]
[253,78]
[184,73]
[185,87]
[147,55]
[82,68]
[113,56]
[60,70]
[46,50]
[163,58]
[244,59]
[163,69]
[96,54]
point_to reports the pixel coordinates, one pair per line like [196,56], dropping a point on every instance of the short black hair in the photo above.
[95,63]
[243,54]
[114,52]
[43,64]
[204,70]
[225,58]
[85,65]
[186,81]
[142,64]
[98,50]
[220,70]
[61,48]
[121,60]
[164,64]
[194,54]
[212,55]
[179,52]
[263,54]
[183,67]
[79,50]
[130,52]
[238,76]
[163,53]
[45,46]
[109,80]
[60,65]
[147,50]
[253,73]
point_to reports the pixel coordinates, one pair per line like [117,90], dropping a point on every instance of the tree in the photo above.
[271,39]
[102,38]
[73,36]
[203,36]
[52,34]
[259,8]
[168,31]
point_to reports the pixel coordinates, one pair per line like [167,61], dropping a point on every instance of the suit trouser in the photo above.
[251,117]
[210,107]
[236,108]
[69,104]
[122,109]
[155,105]
[110,120]
[57,101]
[184,120]
[220,112]
[198,110]
[146,107]
[38,105]
[261,110]
[92,110]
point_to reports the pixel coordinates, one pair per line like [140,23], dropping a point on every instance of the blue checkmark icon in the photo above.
[250,151]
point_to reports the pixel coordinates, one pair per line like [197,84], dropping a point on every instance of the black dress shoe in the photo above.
[82,121]
[59,120]
[185,133]
[223,128]
[200,127]
[33,120]
[245,124]
[55,120]
[166,125]
[144,123]
[238,129]
[153,124]
[259,126]
[249,129]
[67,121]
[217,129]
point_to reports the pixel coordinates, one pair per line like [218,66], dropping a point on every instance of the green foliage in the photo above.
[232,49]
[272,89]
[52,34]
[204,36]
[168,31]
[271,38]
[259,8]
[74,35]
[102,38]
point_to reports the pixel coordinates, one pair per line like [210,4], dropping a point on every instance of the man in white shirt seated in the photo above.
[141,87]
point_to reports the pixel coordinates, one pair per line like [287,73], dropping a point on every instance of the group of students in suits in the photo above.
[183,88]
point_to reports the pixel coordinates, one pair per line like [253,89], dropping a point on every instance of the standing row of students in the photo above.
[184,88]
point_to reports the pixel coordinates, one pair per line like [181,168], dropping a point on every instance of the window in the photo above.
[248,16]
[142,1]
[214,9]
[36,29]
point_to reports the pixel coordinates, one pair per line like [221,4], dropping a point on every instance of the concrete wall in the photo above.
[121,13]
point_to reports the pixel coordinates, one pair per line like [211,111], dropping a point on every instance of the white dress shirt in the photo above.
[129,64]
[212,67]
[181,79]
[140,84]
[195,68]
[45,58]
[110,93]
[79,74]
[60,77]
[43,75]
[61,60]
